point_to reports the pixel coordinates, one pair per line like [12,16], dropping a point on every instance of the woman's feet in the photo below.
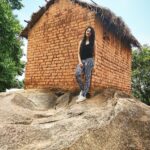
[80,93]
[81,97]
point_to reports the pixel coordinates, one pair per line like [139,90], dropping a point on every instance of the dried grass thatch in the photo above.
[105,15]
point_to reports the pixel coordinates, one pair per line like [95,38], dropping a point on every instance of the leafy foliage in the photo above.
[10,45]
[141,74]
[15,4]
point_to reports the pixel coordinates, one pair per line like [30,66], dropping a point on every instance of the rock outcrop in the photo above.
[39,120]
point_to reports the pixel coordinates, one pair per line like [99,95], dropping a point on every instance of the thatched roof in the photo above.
[106,16]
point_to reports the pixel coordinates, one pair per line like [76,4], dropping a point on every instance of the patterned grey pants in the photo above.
[87,67]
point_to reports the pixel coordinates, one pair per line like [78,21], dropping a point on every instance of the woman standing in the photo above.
[86,54]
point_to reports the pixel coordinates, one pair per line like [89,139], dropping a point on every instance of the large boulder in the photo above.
[108,120]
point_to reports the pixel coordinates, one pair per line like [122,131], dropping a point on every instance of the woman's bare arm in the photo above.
[79,53]
[95,49]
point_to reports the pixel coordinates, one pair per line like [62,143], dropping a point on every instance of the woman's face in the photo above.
[88,32]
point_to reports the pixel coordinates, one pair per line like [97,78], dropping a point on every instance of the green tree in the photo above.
[141,74]
[10,45]
[15,4]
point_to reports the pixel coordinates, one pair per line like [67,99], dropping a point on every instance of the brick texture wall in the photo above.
[52,51]
[113,61]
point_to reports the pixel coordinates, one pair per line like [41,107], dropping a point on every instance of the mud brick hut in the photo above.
[53,35]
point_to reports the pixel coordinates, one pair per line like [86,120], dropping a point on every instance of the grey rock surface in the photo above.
[38,120]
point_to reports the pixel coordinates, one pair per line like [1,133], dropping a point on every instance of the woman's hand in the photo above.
[93,70]
[80,64]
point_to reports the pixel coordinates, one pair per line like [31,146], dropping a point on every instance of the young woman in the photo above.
[86,55]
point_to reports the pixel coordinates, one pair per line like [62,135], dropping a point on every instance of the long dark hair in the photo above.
[91,38]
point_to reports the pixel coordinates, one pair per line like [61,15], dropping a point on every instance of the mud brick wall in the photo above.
[113,61]
[53,48]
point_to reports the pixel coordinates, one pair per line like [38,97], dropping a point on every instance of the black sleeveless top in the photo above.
[86,51]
